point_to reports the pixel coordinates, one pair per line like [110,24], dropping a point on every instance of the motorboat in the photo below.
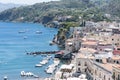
[23,73]
[25,37]
[29,74]
[38,65]
[51,43]
[21,32]
[50,70]
[5,78]
[45,61]
[48,57]
[38,32]
[35,76]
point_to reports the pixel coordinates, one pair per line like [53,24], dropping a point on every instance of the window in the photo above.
[118,48]
[117,62]
[79,70]
[114,61]
[113,76]
[79,64]
[104,77]
[85,64]
[95,72]
[85,70]
[118,77]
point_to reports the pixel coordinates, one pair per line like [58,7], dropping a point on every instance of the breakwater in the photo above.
[39,52]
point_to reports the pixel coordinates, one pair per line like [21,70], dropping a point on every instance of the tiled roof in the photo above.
[116,52]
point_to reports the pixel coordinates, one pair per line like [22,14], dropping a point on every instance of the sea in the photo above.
[16,39]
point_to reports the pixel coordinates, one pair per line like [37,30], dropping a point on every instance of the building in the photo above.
[104,45]
[97,66]
[73,44]
[116,51]
[116,72]
[115,39]
[89,44]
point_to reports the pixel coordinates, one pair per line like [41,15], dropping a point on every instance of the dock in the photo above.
[38,53]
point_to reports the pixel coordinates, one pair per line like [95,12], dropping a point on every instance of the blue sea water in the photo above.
[14,45]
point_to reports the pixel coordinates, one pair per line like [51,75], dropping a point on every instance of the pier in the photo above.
[38,53]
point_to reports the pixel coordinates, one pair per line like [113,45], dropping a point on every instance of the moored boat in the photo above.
[38,65]
[23,73]
[38,32]
[45,61]
[5,78]
[21,32]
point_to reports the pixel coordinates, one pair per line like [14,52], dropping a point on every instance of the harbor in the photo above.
[13,57]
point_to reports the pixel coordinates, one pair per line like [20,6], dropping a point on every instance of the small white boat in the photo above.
[48,57]
[21,32]
[35,76]
[50,70]
[45,61]
[38,65]
[23,73]
[38,32]
[5,77]
[29,74]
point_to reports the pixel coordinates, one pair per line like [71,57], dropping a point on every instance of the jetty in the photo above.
[38,53]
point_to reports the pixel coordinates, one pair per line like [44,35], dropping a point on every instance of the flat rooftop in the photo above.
[89,50]
[106,67]
[90,42]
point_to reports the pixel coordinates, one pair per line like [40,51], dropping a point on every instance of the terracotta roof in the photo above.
[90,42]
[116,52]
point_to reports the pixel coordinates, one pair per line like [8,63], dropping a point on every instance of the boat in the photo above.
[5,78]
[50,70]
[25,37]
[35,76]
[49,57]
[38,65]
[45,61]
[23,73]
[56,63]
[38,32]
[51,43]
[21,32]
[29,74]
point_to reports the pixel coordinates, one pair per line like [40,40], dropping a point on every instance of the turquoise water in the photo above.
[13,48]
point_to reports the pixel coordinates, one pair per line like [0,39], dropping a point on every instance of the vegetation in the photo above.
[47,11]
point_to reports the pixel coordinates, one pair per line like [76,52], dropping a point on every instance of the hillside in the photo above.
[113,8]
[47,11]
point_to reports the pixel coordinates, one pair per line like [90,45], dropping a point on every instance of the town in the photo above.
[95,51]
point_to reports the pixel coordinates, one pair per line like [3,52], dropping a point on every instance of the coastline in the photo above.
[16,47]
